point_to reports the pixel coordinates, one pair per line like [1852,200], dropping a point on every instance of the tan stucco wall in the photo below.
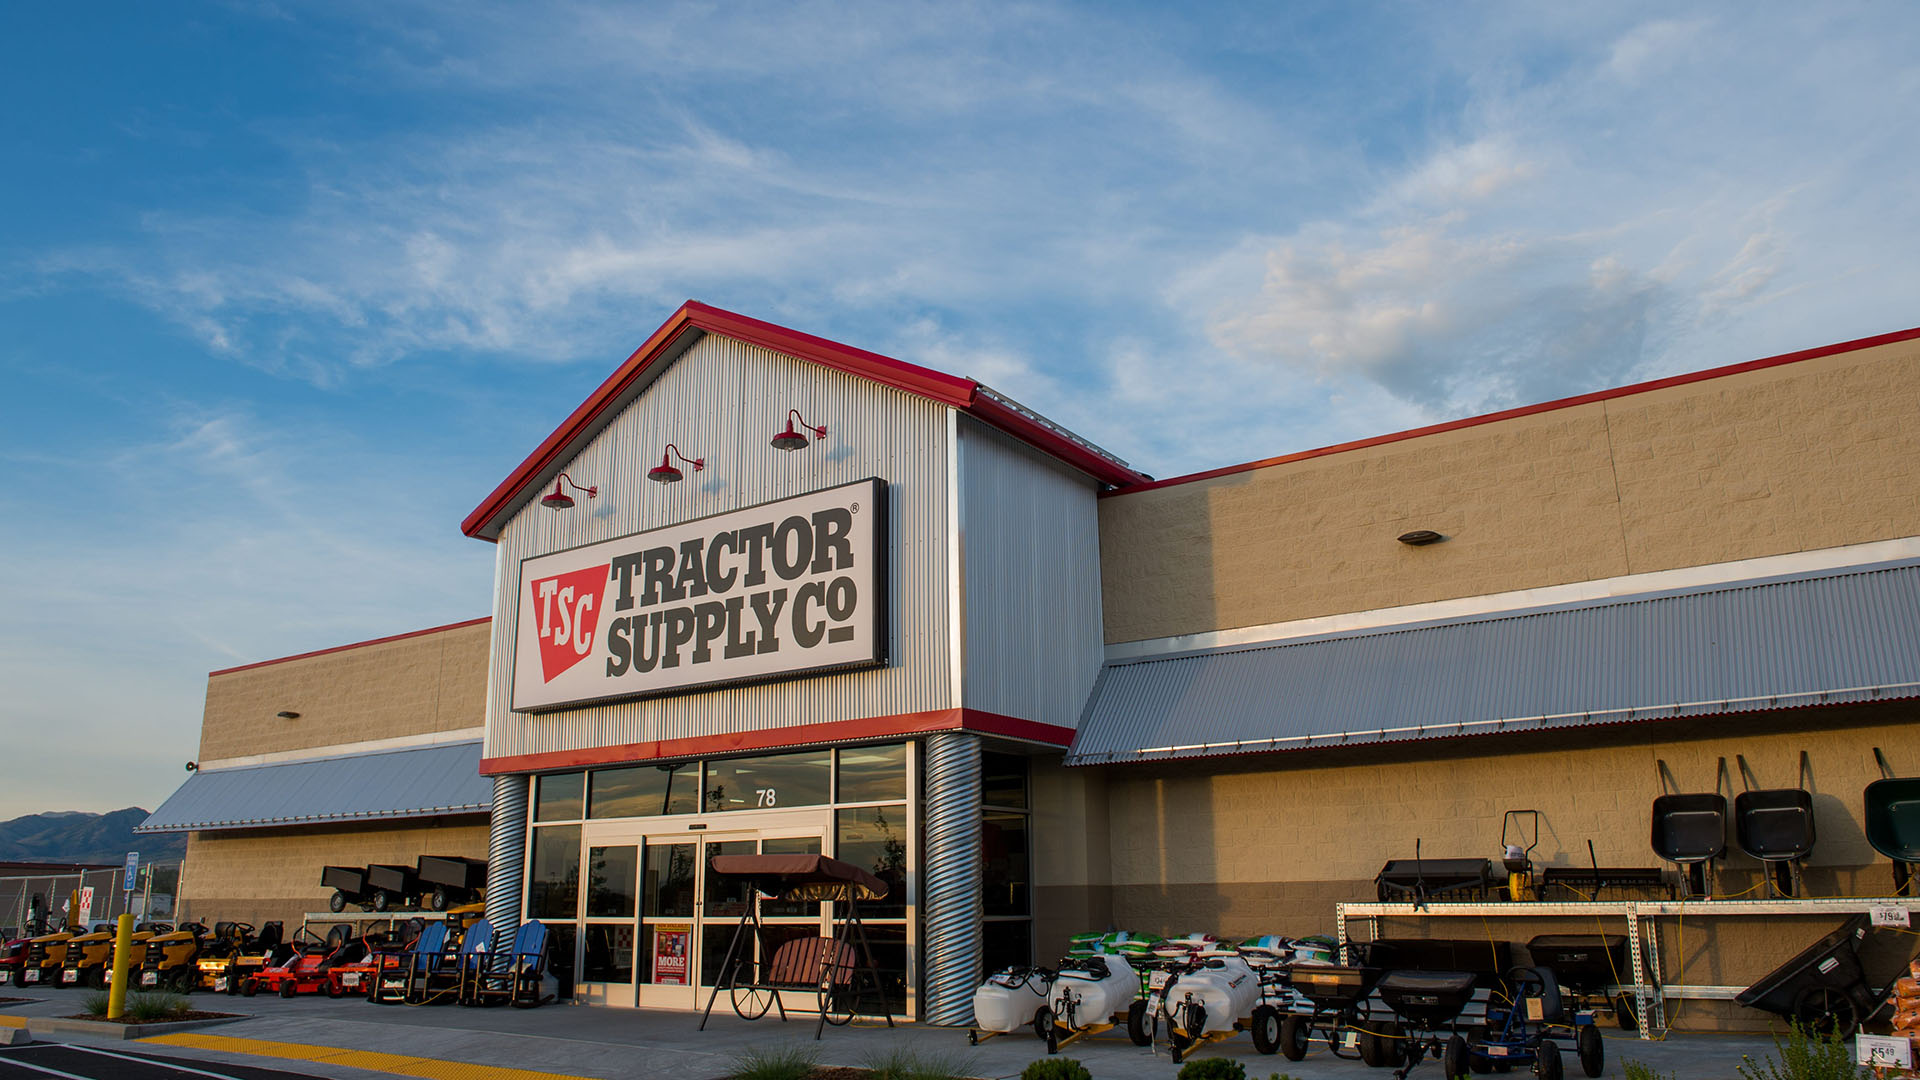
[253,875]
[1072,855]
[409,686]
[1798,457]
[1269,844]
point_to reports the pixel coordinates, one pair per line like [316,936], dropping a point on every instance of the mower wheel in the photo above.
[1591,1049]
[1624,1015]
[438,900]
[288,988]
[334,989]
[183,980]
[1140,1023]
[249,986]
[337,902]
[1546,1062]
[382,900]
[1293,1037]
[18,978]
[97,979]
[1455,1061]
[1266,1029]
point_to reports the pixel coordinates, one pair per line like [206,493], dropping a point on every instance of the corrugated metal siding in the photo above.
[1810,640]
[423,782]
[723,401]
[1030,542]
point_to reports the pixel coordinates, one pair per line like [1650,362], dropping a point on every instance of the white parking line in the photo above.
[11,1059]
[165,1063]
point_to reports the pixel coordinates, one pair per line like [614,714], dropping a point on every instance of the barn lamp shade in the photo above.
[558,499]
[1420,537]
[793,440]
[665,473]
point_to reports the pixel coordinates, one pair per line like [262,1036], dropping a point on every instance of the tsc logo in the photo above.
[566,607]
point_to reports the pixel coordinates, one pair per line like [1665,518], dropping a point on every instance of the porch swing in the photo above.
[835,969]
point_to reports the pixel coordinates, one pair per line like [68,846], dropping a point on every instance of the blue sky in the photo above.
[285,289]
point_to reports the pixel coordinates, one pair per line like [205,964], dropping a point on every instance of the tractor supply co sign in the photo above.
[776,590]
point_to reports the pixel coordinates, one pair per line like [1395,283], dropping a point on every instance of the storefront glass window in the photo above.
[557,797]
[560,939]
[1003,857]
[645,790]
[1003,780]
[610,881]
[553,881]
[873,774]
[1005,944]
[667,890]
[609,956]
[875,838]
[766,783]
[727,897]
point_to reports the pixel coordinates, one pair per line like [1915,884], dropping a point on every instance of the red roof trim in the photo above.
[1530,410]
[872,727]
[949,390]
[355,645]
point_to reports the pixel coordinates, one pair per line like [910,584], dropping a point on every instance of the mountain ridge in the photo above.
[77,836]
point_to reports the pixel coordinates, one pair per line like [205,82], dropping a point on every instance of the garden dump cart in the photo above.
[1775,825]
[349,885]
[390,886]
[756,975]
[1824,988]
[1893,822]
[446,880]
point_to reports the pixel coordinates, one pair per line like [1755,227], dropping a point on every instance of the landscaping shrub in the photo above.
[1637,1070]
[96,1004]
[1213,1069]
[1805,1055]
[787,1061]
[1055,1068]
[909,1065]
[146,1007]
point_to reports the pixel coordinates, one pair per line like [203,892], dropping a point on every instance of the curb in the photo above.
[106,1029]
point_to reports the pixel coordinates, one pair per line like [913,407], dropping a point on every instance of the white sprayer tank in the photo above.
[1008,1000]
[1226,988]
[1090,997]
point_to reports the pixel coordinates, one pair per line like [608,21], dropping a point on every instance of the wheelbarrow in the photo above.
[1775,825]
[1690,831]
[1893,822]
[1823,989]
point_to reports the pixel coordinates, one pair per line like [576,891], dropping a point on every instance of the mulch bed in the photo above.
[194,1015]
[840,1072]
[14,1001]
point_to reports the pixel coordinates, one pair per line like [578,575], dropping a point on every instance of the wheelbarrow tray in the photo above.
[1774,824]
[451,870]
[1832,963]
[1893,818]
[1584,963]
[1690,828]
[351,880]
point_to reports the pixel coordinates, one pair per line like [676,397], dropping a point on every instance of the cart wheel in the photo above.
[1546,1062]
[1266,1029]
[1455,1061]
[438,900]
[1193,1021]
[382,900]
[1293,1037]
[1053,1033]
[1140,1024]
[837,1003]
[1624,1015]
[337,902]
[1593,1052]
[750,1002]
[250,986]
[1396,1044]
[1823,1010]
[1373,1052]
[288,989]
[973,1037]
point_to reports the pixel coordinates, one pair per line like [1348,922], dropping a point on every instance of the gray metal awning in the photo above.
[1822,638]
[425,781]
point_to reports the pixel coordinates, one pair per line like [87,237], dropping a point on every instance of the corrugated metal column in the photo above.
[505,848]
[951,877]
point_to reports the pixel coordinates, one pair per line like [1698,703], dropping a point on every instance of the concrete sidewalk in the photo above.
[625,1044]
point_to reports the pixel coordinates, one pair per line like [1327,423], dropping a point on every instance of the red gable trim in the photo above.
[1531,410]
[693,316]
[355,645]
[872,727]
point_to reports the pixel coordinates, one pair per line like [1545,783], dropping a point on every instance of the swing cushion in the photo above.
[810,962]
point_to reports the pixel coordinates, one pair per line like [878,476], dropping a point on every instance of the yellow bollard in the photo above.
[122,960]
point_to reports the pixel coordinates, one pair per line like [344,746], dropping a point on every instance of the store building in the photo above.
[1041,693]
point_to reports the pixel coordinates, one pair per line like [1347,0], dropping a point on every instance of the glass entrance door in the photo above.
[656,924]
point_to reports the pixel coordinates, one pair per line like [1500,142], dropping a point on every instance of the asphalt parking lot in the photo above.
[98,1063]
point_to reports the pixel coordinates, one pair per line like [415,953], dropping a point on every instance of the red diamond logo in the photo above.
[566,609]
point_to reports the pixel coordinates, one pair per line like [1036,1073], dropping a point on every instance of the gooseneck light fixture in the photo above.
[793,440]
[665,473]
[558,499]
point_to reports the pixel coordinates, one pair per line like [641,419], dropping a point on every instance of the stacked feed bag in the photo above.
[1905,1002]
[1318,949]
[1266,951]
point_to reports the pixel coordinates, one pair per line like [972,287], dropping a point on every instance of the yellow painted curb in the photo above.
[395,1064]
[13,1021]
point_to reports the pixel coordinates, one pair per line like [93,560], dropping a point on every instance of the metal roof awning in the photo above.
[1826,638]
[427,781]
